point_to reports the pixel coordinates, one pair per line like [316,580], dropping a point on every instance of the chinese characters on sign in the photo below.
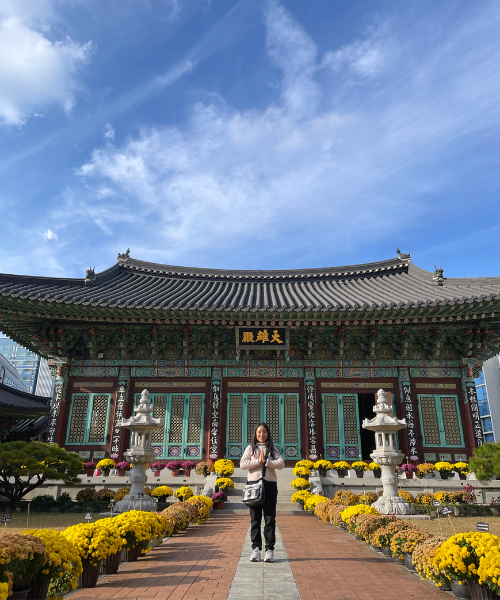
[474,412]
[410,421]
[311,420]
[117,425]
[213,449]
[55,409]
[262,337]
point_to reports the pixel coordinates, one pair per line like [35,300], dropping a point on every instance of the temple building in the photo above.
[220,350]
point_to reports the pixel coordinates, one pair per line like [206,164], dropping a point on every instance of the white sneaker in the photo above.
[255,555]
[269,556]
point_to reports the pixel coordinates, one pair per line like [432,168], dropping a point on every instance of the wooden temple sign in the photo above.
[262,337]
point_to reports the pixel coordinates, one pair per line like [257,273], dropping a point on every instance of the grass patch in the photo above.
[57,521]
[460,525]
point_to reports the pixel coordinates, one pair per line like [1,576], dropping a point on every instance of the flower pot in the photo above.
[408,561]
[481,592]
[38,591]
[112,563]
[409,475]
[377,474]
[387,552]
[428,475]
[463,476]
[397,560]
[446,587]
[187,472]
[460,591]
[322,472]
[444,474]
[121,472]
[220,504]
[133,554]
[341,473]
[360,474]
[175,472]
[90,473]
[90,573]
[20,594]
[157,473]
[377,548]
[105,473]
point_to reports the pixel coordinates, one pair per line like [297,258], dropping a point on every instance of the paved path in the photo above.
[314,561]
[196,564]
[328,564]
[272,581]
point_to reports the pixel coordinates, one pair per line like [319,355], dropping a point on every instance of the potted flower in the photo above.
[105,465]
[302,472]
[322,466]
[360,467]
[90,466]
[300,497]
[409,469]
[122,467]
[162,492]
[301,484]
[23,558]
[224,467]
[188,466]
[444,469]
[341,467]
[218,499]
[174,466]
[157,468]
[183,493]
[462,469]
[377,469]
[203,469]
[425,471]
[224,483]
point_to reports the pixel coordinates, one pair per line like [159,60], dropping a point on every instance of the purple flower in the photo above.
[174,465]
[158,466]
[188,465]
[123,465]
[408,468]
[219,497]
[90,465]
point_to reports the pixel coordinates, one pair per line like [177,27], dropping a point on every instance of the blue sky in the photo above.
[249,134]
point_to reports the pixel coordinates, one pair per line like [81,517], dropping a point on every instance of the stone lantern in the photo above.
[386,454]
[140,454]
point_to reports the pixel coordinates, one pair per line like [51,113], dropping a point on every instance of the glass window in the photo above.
[480,380]
[488,437]
[481,393]
[484,409]
[487,424]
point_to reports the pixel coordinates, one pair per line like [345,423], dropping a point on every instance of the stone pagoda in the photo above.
[386,454]
[140,454]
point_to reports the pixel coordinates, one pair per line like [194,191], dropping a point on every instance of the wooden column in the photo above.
[311,420]
[215,430]
[409,408]
[118,433]
[55,432]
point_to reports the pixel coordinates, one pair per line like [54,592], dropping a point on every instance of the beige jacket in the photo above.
[252,464]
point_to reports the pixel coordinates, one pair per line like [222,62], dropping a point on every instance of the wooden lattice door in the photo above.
[341,426]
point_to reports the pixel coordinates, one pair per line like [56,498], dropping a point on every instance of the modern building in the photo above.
[488,396]
[9,375]
[221,350]
[32,369]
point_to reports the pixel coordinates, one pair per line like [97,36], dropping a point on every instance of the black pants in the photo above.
[269,510]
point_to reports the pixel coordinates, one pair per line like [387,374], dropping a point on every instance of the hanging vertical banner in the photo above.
[410,421]
[55,409]
[213,448]
[117,425]
[474,413]
[312,438]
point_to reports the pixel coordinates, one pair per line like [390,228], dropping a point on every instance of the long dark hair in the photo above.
[269,442]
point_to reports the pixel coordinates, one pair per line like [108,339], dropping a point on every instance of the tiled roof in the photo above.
[391,284]
[16,403]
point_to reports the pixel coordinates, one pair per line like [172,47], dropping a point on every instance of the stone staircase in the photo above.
[285,492]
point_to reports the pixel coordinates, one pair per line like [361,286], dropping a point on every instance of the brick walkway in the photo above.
[328,564]
[198,563]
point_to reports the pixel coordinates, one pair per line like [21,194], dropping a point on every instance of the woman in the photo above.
[262,452]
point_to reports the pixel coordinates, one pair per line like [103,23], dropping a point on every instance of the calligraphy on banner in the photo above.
[312,438]
[55,409]
[262,337]
[213,448]
[474,413]
[410,421]
[117,425]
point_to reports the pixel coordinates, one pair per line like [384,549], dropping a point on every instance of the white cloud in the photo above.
[335,161]
[35,71]
[109,132]
[48,234]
